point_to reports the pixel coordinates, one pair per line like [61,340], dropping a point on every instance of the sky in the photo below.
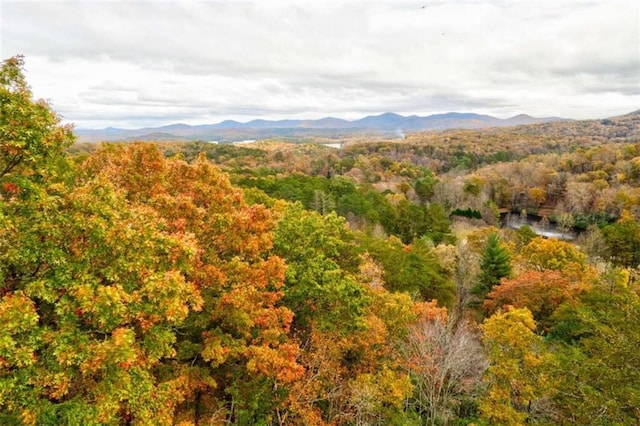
[134,64]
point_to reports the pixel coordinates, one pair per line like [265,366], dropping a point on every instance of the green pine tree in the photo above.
[495,264]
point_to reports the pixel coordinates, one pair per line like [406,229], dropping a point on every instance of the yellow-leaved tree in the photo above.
[518,386]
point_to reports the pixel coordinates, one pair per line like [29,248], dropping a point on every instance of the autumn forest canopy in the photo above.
[285,283]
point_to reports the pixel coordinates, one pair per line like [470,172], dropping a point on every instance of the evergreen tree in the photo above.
[495,264]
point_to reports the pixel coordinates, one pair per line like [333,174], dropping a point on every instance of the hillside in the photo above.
[387,124]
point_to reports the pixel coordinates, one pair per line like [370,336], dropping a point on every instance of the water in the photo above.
[547,230]
[333,145]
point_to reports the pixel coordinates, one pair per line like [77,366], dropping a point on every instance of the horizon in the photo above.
[179,123]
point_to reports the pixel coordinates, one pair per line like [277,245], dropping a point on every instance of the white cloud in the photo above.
[148,63]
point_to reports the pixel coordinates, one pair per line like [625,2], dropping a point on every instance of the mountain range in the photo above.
[387,124]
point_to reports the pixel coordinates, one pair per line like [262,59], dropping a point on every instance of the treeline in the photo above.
[199,284]
[574,181]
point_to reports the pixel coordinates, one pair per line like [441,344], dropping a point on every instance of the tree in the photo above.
[414,269]
[537,195]
[518,375]
[95,290]
[353,374]
[445,362]
[322,202]
[494,265]
[542,292]
[525,234]
[409,222]
[321,263]
[236,347]
[30,133]
[424,187]
[593,244]
[437,225]
[551,254]
[623,241]
[596,341]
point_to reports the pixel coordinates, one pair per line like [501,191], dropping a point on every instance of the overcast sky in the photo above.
[148,63]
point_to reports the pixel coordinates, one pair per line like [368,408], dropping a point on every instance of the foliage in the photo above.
[446,362]
[551,254]
[413,269]
[30,133]
[238,343]
[424,187]
[518,374]
[99,289]
[411,221]
[525,234]
[541,292]
[494,265]
[623,241]
[599,364]
[468,212]
[138,285]
[321,261]
[356,377]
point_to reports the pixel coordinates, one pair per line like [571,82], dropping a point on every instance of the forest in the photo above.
[278,283]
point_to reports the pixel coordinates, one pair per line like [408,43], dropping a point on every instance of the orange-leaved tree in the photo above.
[96,289]
[542,292]
[233,356]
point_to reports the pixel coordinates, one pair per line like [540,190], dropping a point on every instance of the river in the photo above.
[547,230]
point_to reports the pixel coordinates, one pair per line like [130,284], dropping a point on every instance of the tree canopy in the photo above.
[293,284]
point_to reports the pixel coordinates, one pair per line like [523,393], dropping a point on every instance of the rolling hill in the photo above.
[387,124]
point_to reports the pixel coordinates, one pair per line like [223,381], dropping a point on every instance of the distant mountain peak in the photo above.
[387,123]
